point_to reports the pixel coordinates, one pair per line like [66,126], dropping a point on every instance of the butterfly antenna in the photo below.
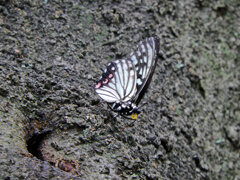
[142,105]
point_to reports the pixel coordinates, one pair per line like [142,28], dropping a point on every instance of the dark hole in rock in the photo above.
[34,142]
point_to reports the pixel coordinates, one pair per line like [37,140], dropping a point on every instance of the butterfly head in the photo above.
[125,108]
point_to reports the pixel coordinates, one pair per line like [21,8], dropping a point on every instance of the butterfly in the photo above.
[124,81]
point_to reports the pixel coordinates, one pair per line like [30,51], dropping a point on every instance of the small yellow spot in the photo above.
[134,116]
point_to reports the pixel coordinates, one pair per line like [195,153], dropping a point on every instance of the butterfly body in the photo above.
[124,82]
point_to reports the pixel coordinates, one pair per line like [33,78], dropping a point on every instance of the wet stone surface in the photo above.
[52,123]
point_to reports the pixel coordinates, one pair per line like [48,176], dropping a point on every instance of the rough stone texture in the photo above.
[53,125]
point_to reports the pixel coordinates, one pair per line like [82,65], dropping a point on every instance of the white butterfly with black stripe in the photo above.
[124,82]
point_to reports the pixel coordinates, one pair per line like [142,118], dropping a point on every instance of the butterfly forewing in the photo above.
[145,58]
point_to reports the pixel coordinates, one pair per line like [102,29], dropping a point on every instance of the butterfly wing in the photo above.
[118,82]
[127,79]
[144,60]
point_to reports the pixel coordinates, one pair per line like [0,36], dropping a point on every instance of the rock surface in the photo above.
[53,125]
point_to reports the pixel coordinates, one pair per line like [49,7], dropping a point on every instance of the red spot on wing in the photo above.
[98,85]
[105,81]
[110,75]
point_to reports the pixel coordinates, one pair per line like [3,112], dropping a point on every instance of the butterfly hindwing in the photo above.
[125,79]
[118,82]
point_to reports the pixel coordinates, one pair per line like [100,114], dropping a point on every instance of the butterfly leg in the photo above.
[135,109]
[116,105]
